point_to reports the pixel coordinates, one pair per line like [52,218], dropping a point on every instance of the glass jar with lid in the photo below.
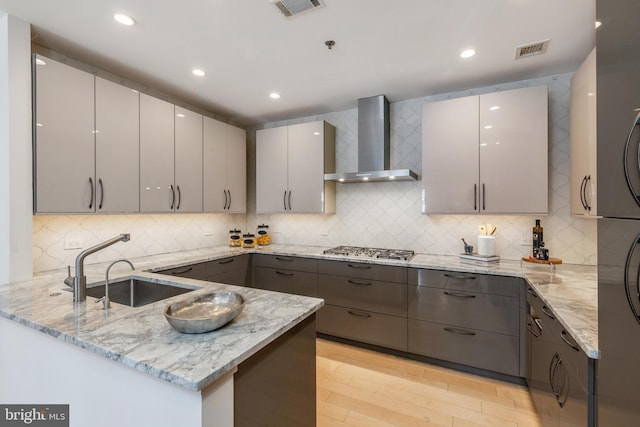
[248,240]
[263,237]
[235,238]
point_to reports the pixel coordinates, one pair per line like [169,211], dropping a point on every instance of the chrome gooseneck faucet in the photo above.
[106,302]
[79,281]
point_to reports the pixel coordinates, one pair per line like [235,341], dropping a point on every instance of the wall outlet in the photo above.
[208,231]
[72,243]
[324,231]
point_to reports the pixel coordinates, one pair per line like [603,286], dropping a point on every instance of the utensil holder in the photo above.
[486,245]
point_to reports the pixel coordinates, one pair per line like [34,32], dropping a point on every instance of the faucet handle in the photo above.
[69,280]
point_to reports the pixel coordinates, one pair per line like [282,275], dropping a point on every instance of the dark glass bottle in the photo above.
[538,241]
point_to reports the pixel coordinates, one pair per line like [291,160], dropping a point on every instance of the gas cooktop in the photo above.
[357,251]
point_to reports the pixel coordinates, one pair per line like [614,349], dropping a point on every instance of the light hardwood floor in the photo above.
[358,387]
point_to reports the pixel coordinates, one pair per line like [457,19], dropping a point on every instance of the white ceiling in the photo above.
[403,48]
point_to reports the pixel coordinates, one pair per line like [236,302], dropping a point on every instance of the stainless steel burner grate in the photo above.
[357,251]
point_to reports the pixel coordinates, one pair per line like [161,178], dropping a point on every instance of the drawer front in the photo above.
[291,282]
[288,262]
[192,271]
[550,327]
[576,360]
[468,282]
[233,277]
[490,313]
[486,350]
[361,270]
[225,265]
[364,294]
[367,327]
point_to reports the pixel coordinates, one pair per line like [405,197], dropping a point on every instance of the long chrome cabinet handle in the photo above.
[179,197]
[284,200]
[458,295]
[546,311]
[563,335]
[226,200]
[360,267]
[475,197]
[586,202]
[459,331]
[583,184]
[455,276]
[91,199]
[355,282]
[484,197]
[634,193]
[358,313]
[101,193]
[226,261]
[283,273]
[531,331]
[173,197]
[631,293]
[184,270]
[229,206]
[289,200]
[279,258]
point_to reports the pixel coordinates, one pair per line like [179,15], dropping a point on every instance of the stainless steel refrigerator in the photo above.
[618,192]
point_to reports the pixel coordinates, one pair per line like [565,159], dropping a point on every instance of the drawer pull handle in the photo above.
[456,276]
[361,267]
[284,259]
[355,282]
[359,313]
[533,294]
[176,272]
[226,261]
[455,294]
[563,335]
[459,331]
[531,331]
[282,273]
[546,311]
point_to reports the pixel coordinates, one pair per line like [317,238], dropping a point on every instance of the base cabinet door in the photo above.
[364,326]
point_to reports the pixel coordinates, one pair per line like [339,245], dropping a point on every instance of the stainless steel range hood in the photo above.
[373,146]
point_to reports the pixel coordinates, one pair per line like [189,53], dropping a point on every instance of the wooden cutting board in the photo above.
[531,259]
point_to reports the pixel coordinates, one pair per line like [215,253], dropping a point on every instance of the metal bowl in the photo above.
[204,313]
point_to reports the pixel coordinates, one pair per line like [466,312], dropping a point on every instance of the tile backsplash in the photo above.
[371,214]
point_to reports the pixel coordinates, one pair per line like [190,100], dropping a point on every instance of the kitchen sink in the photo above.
[136,292]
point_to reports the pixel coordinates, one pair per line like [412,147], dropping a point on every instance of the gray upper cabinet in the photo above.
[487,153]
[188,161]
[225,167]
[583,133]
[117,148]
[64,151]
[290,165]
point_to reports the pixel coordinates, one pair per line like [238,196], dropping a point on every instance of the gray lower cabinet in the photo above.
[196,271]
[471,319]
[559,374]
[234,270]
[293,275]
[364,302]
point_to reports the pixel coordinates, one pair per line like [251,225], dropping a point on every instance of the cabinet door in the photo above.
[306,167]
[583,138]
[64,139]
[188,161]
[236,168]
[450,156]
[215,166]
[117,148]
[513,151]
[271,170]
[157,192]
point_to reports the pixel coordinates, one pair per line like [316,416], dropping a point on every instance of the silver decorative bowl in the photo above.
[204,313]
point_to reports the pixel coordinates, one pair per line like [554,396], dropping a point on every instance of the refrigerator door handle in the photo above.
[633,300]
[634,193]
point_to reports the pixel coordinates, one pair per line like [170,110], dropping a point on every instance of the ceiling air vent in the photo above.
[537,48]
[291,8]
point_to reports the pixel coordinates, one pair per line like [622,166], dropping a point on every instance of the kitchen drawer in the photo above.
[288,262]
[363,326]
[551,328]
[386,273]
[485,350]
[231,270]
[490,313]
[469,282]
[191,271]
[364,294]
[291,282]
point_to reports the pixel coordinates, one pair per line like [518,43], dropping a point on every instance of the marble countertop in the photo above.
[142,339]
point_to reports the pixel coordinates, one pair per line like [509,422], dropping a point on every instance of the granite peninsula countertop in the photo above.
[142,339]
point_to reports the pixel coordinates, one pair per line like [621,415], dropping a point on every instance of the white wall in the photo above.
[389,214]
[15,149]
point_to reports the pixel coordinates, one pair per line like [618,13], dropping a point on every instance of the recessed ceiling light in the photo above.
[341,179]
[484,144]
[366,178]
[274,95]
[180,115]
[392,177]
[488,127]
[468,53]
[198,72]
[494,108]
[124,19]
[39,124]
[598,23]
[40,62]
[316,133]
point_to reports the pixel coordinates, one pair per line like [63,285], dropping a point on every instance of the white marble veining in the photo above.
[141,338]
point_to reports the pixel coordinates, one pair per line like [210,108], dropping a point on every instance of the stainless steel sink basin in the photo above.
[136,292]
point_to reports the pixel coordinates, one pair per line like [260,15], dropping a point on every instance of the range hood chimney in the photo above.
[374,149]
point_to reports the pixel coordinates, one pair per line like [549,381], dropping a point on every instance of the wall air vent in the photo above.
[290,8]
[537,48]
